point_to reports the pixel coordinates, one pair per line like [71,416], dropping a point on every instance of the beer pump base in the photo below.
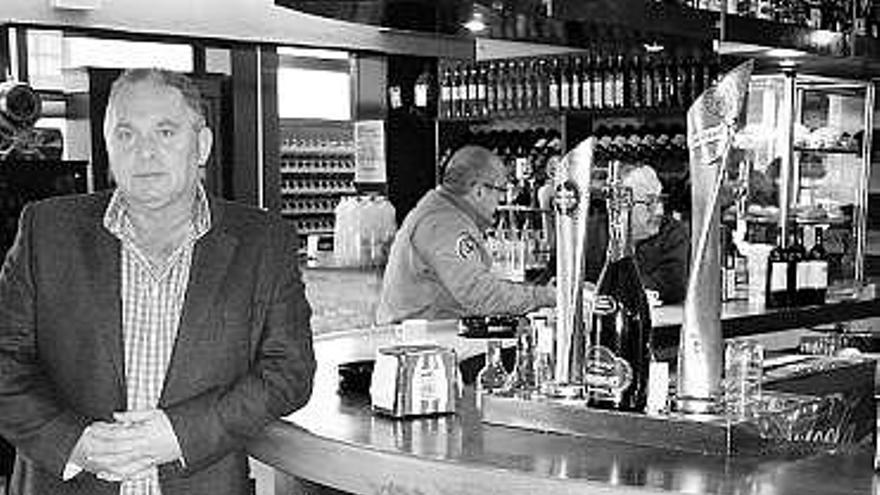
[824,404]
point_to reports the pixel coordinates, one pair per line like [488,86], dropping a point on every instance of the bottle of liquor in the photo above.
[565,84]
[777,275]
[609,88]
[817,269]
[459,99]
[619,81]
[539,75]
[587,75]
[633,90]
[472,103]
[491,89]
[517,85]
[553,85]
[446,94]
[797,270]
[647,82]
[599,75]
[619,352]
[422,89]
[576,84]
[493,376]
[481,103]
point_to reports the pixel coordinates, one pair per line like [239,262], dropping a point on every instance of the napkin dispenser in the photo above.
[414,380]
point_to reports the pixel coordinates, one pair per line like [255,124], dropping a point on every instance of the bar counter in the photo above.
[337,441]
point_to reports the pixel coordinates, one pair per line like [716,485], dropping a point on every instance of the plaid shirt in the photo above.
[152,298]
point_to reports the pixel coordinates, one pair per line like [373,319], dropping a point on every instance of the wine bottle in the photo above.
[539,86]
[576,83]
[797,269]
[587,83]
[491,89]
[776,295]
[817,269]
[553,86]
[619,351]
[565,85]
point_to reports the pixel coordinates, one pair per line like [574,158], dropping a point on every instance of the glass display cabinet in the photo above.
[801,166]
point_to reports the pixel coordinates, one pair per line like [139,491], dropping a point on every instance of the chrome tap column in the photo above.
[711,123]
[572,204]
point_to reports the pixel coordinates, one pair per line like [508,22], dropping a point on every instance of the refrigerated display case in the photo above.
[805,150]
[317,169]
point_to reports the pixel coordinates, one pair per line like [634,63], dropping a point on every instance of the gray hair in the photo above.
[468,166]
[192,97]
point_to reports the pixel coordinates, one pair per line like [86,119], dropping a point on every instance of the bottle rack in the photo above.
[601,79]
[528,153]
[317,169]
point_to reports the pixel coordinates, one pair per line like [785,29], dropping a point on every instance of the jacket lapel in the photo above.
[106,292]
[211,258]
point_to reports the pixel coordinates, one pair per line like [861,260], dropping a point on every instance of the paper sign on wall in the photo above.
[369,139]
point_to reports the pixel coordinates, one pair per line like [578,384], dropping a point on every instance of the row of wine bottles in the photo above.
[859,16]
[595,80]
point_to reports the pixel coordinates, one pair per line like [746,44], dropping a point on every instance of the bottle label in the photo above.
[606,374]
[553,95]
[421,95]
[609,91]
[728,284]
[565,100]
[618,94]
[803,275]
[587,93]
[816,274]
[778,276]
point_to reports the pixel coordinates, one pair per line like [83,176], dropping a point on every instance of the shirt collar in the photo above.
[116,215]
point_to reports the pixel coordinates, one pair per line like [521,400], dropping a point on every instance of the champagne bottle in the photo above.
[619,351]
[777,275]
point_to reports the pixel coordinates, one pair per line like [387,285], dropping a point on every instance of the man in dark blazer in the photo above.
[148,332]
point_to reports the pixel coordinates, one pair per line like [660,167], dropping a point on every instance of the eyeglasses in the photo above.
[500,189]
[651,201]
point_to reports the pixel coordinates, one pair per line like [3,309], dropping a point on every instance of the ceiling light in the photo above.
[476,24]
[653,47]
[784,53]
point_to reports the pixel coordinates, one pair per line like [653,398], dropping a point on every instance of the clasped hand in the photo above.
[127,447]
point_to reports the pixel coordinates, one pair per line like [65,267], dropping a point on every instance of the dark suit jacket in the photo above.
[242,358]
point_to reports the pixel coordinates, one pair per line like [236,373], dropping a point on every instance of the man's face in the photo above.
[155,145]
[647,212]
[492,191]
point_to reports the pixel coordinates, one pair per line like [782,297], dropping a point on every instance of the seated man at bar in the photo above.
[439,267]
[661,242]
